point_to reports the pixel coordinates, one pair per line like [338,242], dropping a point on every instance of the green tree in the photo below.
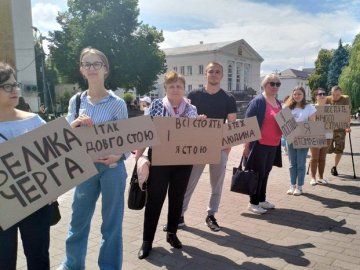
[349,79]
[319,77]
[338,62]
[111,26]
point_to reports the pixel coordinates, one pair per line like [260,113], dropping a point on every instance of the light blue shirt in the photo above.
[12,129]
[110,108]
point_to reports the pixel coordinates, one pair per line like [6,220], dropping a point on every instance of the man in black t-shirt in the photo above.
[213,102]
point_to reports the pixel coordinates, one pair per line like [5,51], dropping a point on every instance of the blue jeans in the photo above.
[297,163]
[35,235]
[111,183]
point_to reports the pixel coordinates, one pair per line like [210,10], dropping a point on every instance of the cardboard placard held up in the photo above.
[39,166]
[186,141]
[118,137]
[333,116]
[240,131]
[287,124]
[312,134]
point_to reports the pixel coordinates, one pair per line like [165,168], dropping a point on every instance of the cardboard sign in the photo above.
[333,116]
[118,137]
[241,131]
[311,134]
[39,166]
[186,141]
[287,124]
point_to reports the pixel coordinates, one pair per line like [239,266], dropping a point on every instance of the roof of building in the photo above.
[304,74]
[209,47]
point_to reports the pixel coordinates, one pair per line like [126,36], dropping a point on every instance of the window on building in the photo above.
[189,70]
[238,76]
[182,70]
[189,87]
[201,69]
[175,69]
[230,77]
[246,76]
[201,86]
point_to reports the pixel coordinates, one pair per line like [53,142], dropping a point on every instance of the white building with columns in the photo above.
[240,61]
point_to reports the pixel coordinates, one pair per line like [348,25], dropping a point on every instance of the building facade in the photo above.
[17,46]
[240,61]
[290,78]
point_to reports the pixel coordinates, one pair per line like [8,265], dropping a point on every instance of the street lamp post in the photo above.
[46,93]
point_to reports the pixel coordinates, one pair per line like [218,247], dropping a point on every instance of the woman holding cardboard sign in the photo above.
[34,229]
[297,157]
[163,179]
[318,155]
[97,105]
[265,153]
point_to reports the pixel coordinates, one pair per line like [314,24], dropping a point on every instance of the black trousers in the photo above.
[35,235]
[264,157]
[163,179]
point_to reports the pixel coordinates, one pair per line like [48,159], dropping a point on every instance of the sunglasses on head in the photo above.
[277,84]
[321,94]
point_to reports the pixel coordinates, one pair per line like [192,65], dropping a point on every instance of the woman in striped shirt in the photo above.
[98,105]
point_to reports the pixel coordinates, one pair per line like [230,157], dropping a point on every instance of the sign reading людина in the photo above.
[241,131]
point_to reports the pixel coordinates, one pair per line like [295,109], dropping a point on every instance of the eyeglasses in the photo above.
[320,94]
[96,65]
[10,87]
[277,84]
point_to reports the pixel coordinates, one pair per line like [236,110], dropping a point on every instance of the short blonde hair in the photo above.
[172,76]
[269,77]
[90,50]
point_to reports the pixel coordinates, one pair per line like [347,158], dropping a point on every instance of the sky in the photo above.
[286,33]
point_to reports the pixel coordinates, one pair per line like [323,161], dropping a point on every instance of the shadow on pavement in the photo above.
[253,247]
[354,190]
[193,258]
[303,220]
[332,203]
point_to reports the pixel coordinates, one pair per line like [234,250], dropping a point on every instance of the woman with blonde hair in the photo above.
[265,153]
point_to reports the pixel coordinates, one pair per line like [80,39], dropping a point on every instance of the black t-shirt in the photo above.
[217,105]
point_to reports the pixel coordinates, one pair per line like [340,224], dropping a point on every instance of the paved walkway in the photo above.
[318,230]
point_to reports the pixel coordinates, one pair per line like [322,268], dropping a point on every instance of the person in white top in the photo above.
[297,157]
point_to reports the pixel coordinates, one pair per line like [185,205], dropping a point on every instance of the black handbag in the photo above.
[55,213]
[136,196]
[244,181]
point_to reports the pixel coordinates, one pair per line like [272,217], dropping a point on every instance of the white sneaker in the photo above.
[322,181]
[313,182]
[266,205]
[298,191]
[256,209]
[291,190]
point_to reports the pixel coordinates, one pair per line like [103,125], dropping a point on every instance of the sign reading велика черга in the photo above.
[39,166]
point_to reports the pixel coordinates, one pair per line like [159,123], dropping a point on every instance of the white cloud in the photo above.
[284,36]
[44,17]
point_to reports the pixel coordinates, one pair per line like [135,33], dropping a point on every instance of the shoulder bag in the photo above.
[136,196]
[244,181]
